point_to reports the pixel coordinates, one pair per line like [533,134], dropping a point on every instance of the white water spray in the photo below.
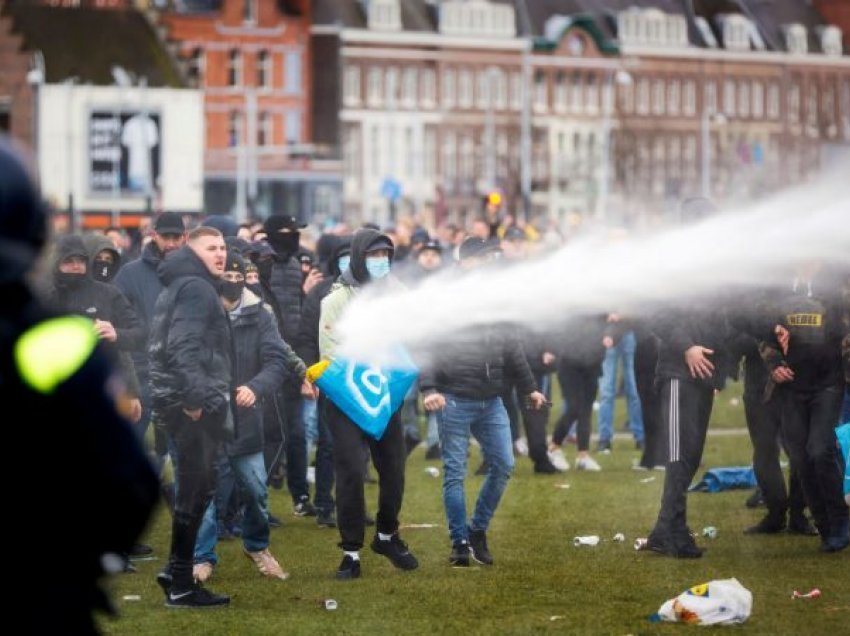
[747,246]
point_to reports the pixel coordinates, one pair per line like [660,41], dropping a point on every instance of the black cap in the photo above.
[234,262]
[380,243]
[169,223]
[420,235]
[474,246]
[432,244]
[278,222]
[514,233]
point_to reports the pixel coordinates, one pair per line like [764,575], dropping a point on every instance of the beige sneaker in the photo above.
[203,571]
[267,564]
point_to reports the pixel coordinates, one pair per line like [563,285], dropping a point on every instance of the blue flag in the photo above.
[367,394]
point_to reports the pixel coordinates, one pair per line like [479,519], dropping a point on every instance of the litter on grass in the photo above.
[720,602]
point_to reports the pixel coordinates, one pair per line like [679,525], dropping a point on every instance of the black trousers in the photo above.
[350,445]
[654,448]
[196,472]
[510,403]
[809,419]
[579,384]
[685,412]
[535,421]
[764,422]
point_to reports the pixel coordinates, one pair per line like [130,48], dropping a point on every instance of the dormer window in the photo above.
[384,15]
[830,40]
[795,39]
[651,27]
[736,32]
[477,18]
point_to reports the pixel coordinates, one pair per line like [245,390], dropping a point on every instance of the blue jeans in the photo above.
[310,416]
[250,473]
[433,430]
[488,421]
[624,350]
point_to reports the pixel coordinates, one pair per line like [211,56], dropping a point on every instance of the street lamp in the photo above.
[623,78]
[35,78]
[709,116]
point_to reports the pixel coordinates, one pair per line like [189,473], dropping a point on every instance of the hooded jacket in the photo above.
[95,244]
[190,345]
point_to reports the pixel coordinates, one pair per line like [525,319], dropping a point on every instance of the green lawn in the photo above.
[538,575]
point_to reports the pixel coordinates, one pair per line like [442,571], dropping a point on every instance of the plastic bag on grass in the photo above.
[718,479]
[721,602]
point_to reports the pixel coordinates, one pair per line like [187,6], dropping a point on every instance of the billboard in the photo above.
[124,153]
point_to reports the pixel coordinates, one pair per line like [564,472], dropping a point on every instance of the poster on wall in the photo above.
[124,152]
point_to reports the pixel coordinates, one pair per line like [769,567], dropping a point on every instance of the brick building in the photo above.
[252,60]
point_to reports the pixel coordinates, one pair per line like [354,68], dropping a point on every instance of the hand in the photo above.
[698,364]
[434,402]
[194,414]
[135,410]
[245,397]
[782,374]
[105,330]
[313,278]
[536,400]
[548,358]
[309,390]
[607,342]
[782,337]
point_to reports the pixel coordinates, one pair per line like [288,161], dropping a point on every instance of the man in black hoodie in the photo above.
[190,352]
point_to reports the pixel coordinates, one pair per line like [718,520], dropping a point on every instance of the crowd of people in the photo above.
[213,326]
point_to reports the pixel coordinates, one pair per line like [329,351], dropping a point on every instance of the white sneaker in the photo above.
[558,460]
[587,463]
[521,447]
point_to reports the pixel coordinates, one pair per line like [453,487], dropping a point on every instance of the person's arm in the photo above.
[332,308]
[274,359]
[129,328]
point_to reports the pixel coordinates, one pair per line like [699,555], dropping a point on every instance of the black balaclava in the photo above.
[67,246]
[231,290]
[103,270]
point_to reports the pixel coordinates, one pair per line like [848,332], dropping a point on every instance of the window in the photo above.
[264,130]
[794,103]
[710,98]
[375,87]
[264,69]
[540,92]
[234,68]
[391,87]
[673,97]
[375,151]
[449,157]
[351,86]
[796,40]
[325,200]
[643,96]
[467,157]
[592,94]
[830,41]
[736,32]
[196,66]
[234,129]
[409,153]
[729,98]
[743,98]
[410,87]
[576,101]
[429,88]
[658,97]
[516,90]
[500,89]
[293,127]
[390,149]
[812,105]
[626,95]
[292,76]
[351,153]
[758,99]
[448,96]
[464,89]
[429,149]
[773,101]
[690,98]
[384,15]
[483,101]
[561,94]
[249,11]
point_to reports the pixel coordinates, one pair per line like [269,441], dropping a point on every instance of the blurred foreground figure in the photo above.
[54,371]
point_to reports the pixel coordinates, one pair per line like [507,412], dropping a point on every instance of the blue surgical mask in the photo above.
[378,267]
[343,262]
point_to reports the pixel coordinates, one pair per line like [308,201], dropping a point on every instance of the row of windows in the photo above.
[289,121]
[238,72]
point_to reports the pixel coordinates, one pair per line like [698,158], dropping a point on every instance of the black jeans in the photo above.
[196,471]
[323,498]
[654,448]
[349,449]
[535,421]
[685,412]
[579,383]
[809,419]
[764,421]
[295,442]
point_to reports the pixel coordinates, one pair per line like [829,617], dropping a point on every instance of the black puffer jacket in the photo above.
[475,364]
[190,344]
[261,362]
[285,285]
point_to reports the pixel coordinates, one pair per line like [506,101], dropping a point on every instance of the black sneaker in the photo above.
[196,597]
[304,508]
[433,452]
[686,549]
[459,558]
[396,551]
[769,525]
[478,547]
[604,447]
[274,522]
[755,500]
[348,569]
[164,580]
[545,468]
[800,524]
[326,519]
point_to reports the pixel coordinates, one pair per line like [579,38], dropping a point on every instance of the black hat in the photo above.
[278,222]
[169,223]
[234,262]
[514,233]
[380,243]
[420,235]
[432,244]
[474,246]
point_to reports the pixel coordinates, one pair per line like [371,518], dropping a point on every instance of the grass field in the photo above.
[540,582]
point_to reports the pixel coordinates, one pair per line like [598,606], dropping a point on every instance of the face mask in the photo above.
[230,290]
[69,280]
[284,242]
[255,287]
[103,271]
[264,269]
[378,267]
[343,262]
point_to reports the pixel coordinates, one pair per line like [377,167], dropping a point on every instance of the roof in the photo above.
[88,43]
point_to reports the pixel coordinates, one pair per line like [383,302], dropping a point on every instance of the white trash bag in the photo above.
[723,602]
